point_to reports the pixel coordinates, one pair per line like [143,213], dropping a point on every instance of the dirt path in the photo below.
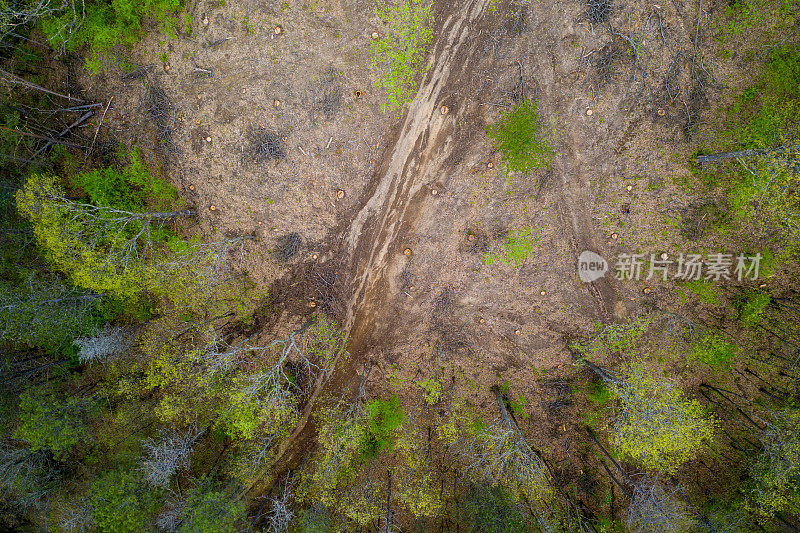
[417,159]
[401,196]
[576,214]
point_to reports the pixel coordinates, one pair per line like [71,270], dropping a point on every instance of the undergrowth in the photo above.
[769,111]
[769,17]
[384,417]
[130,187]
[518,136]
[516,248]
[399,56]
[714,351]
[762,188]
[706,291]
[751,307]
[106,25]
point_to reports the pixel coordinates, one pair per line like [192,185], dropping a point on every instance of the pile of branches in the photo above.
[452,335]
[598,11]
[158,106]
[264,145]
[288,246]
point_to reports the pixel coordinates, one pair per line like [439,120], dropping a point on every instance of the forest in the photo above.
[316,266]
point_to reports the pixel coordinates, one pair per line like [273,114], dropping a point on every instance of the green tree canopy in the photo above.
[210,511]
[657,426]
[776,473]
[123,502]
[49,422]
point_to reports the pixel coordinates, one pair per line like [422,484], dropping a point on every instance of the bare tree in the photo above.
[76,516]
[282,510]
[501,455]
[656,508]
[167,454]
[170,517]
[110,342]
[26,477]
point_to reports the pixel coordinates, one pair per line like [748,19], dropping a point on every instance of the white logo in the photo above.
[591,266]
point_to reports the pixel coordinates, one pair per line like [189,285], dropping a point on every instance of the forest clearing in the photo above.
[400,265]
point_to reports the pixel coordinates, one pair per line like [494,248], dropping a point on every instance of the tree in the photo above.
[654,508]
[499,455]
[656,426]
[102,26]
[122,502]
[342,474]
[211,511]
[75,516]
[417,486]
[342,431]
[492,510]
[44,311]
[102,248]
[49,422]
[776,472]
[26,477]
[384,417]
[167,454]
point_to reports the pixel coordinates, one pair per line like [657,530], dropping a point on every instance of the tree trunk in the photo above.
[608,378]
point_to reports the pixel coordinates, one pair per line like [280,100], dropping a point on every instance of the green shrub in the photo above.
[752,306]
[107,24]
[131,187]
[399,56]
[431,390]
[520,140]
[714,351]
[384,417]
[516,248]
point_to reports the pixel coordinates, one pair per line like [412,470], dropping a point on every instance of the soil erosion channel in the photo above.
[400,192]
